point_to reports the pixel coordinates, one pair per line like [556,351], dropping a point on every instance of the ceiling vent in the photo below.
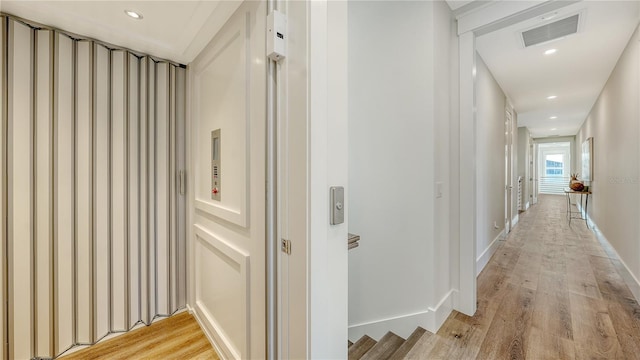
[555,30]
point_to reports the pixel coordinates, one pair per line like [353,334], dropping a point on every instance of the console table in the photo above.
[570,214]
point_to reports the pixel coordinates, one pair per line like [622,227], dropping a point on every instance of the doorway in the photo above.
[554,167]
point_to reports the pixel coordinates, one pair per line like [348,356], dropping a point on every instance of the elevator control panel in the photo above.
[216,168]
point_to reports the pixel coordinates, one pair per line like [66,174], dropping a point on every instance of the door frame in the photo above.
[312,156]
[476,19]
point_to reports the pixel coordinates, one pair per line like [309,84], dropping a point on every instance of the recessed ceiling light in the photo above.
[553,117]
[551,97]
[554,129]
[550,51]
[133,14]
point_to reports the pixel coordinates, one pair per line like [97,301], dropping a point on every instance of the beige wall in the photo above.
[615,127]
[490,115]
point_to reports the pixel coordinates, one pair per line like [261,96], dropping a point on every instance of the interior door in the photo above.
[530,190]
[227,192]
[535,174]
[508,179]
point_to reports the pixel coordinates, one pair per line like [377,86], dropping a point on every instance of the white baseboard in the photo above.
[403,325]
[515,220]
[216,336]
[629,278]
[441,312]
[484,258]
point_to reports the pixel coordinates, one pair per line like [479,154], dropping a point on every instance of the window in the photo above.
[554,165]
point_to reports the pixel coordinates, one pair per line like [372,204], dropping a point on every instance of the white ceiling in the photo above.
[173,30]
[576,73]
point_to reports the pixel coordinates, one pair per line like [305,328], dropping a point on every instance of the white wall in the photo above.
[613,124]
[227,236]
[399,117]
[328,94]
[490,115]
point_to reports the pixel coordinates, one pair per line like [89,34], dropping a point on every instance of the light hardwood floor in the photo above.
[551,291]
[178,337]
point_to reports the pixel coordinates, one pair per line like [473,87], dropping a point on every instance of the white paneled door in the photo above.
[227,223]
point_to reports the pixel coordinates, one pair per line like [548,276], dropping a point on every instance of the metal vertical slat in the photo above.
[84,199]
[65,203]
[151,186]
[163,223]
[54,228]
[172,189]
[127,238]
[52,199]
[20,189]
[74,131]
[127,182]
[101,190]
[143,264]
[110,191]
[43,191]
[181,272]
[118,212]
[34,196]
[92,240]
[3,186]
[133,187]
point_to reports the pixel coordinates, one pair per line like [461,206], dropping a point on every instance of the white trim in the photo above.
[629,278]
[441,312]
[401,325]
[218,339]
[514,221]
[494,12]
[483,259]
[404,325]
[211,326]
[468,216]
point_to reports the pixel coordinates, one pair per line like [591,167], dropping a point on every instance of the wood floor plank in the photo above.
[384,348]
[625,317]
[527,270]
[508,334]
[551,312]
[593,331]
[551,291]
[545,346]
[360,347]
[411,341]
[177,337]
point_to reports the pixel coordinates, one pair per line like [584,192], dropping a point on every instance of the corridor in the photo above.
[551,291]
